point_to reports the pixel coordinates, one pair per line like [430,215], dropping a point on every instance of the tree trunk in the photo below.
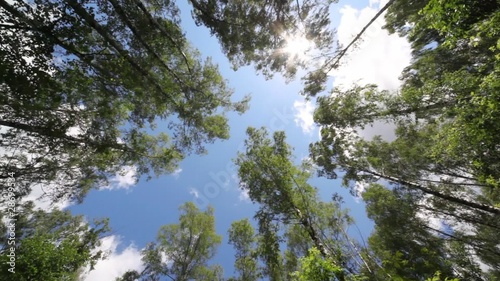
[479,206]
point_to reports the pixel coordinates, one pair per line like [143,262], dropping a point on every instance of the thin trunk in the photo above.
[116,45]
[197,6]
[163,31]
[57,134]
[318,243]
[454,183]
[39,27]
[79,10]
[479,206]
[472,243]
[342,53]
[121,13]
[415,110]
[12,26]
[465,219]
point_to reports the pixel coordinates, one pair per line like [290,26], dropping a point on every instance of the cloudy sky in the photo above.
[137,211]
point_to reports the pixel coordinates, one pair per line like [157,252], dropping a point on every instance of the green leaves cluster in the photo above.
[315,268]
[442,162]
[84,85]
[50,245]
[182,251]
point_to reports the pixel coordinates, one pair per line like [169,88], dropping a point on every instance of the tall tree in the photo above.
[84,84]
[287,201]
[239,24]
[183,250]
[257,32]
[401,240]
[242,237]
[445,119]
[314,267]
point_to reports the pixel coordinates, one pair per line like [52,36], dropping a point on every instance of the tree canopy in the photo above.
[182,250]
[442,163]
[84,84]
[257,32]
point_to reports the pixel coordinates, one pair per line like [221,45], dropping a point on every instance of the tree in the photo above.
[239,24]
[445,120]
[48,245]
[242,237]
[315,268]
[400,239]
[269,175]
[315,238]
[463,69]
[288,202]
[258,31]
[84,85]
[183,250]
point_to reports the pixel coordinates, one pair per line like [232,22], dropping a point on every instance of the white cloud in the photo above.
[177,173]
[44,203]
[244,195]
[432,219]
[41,193]
[360,187]
[74,131]
[165,259]
[379,128]
[123,179]
[194,192]
[379,58]
[235,178]
[303,115]
[116,263]
[37,190]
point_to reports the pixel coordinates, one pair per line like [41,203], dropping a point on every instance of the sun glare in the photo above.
[297,46]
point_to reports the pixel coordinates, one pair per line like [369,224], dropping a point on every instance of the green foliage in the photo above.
[437,277]
[242,237]
[286,201]
[183,250]
[454,19]
[315,268]
[50,245]
[443,161]
[265,171]
[402,240]
[103,75]
[239,26]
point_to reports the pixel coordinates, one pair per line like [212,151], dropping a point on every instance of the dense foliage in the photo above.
[85,84]
[48,245]
[443,162]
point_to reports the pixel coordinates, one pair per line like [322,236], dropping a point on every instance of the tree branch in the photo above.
[356,38]
[479,206]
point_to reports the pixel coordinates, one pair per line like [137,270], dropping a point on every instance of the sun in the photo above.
[297,46]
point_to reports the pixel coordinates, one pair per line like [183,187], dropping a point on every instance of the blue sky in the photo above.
[137,211]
